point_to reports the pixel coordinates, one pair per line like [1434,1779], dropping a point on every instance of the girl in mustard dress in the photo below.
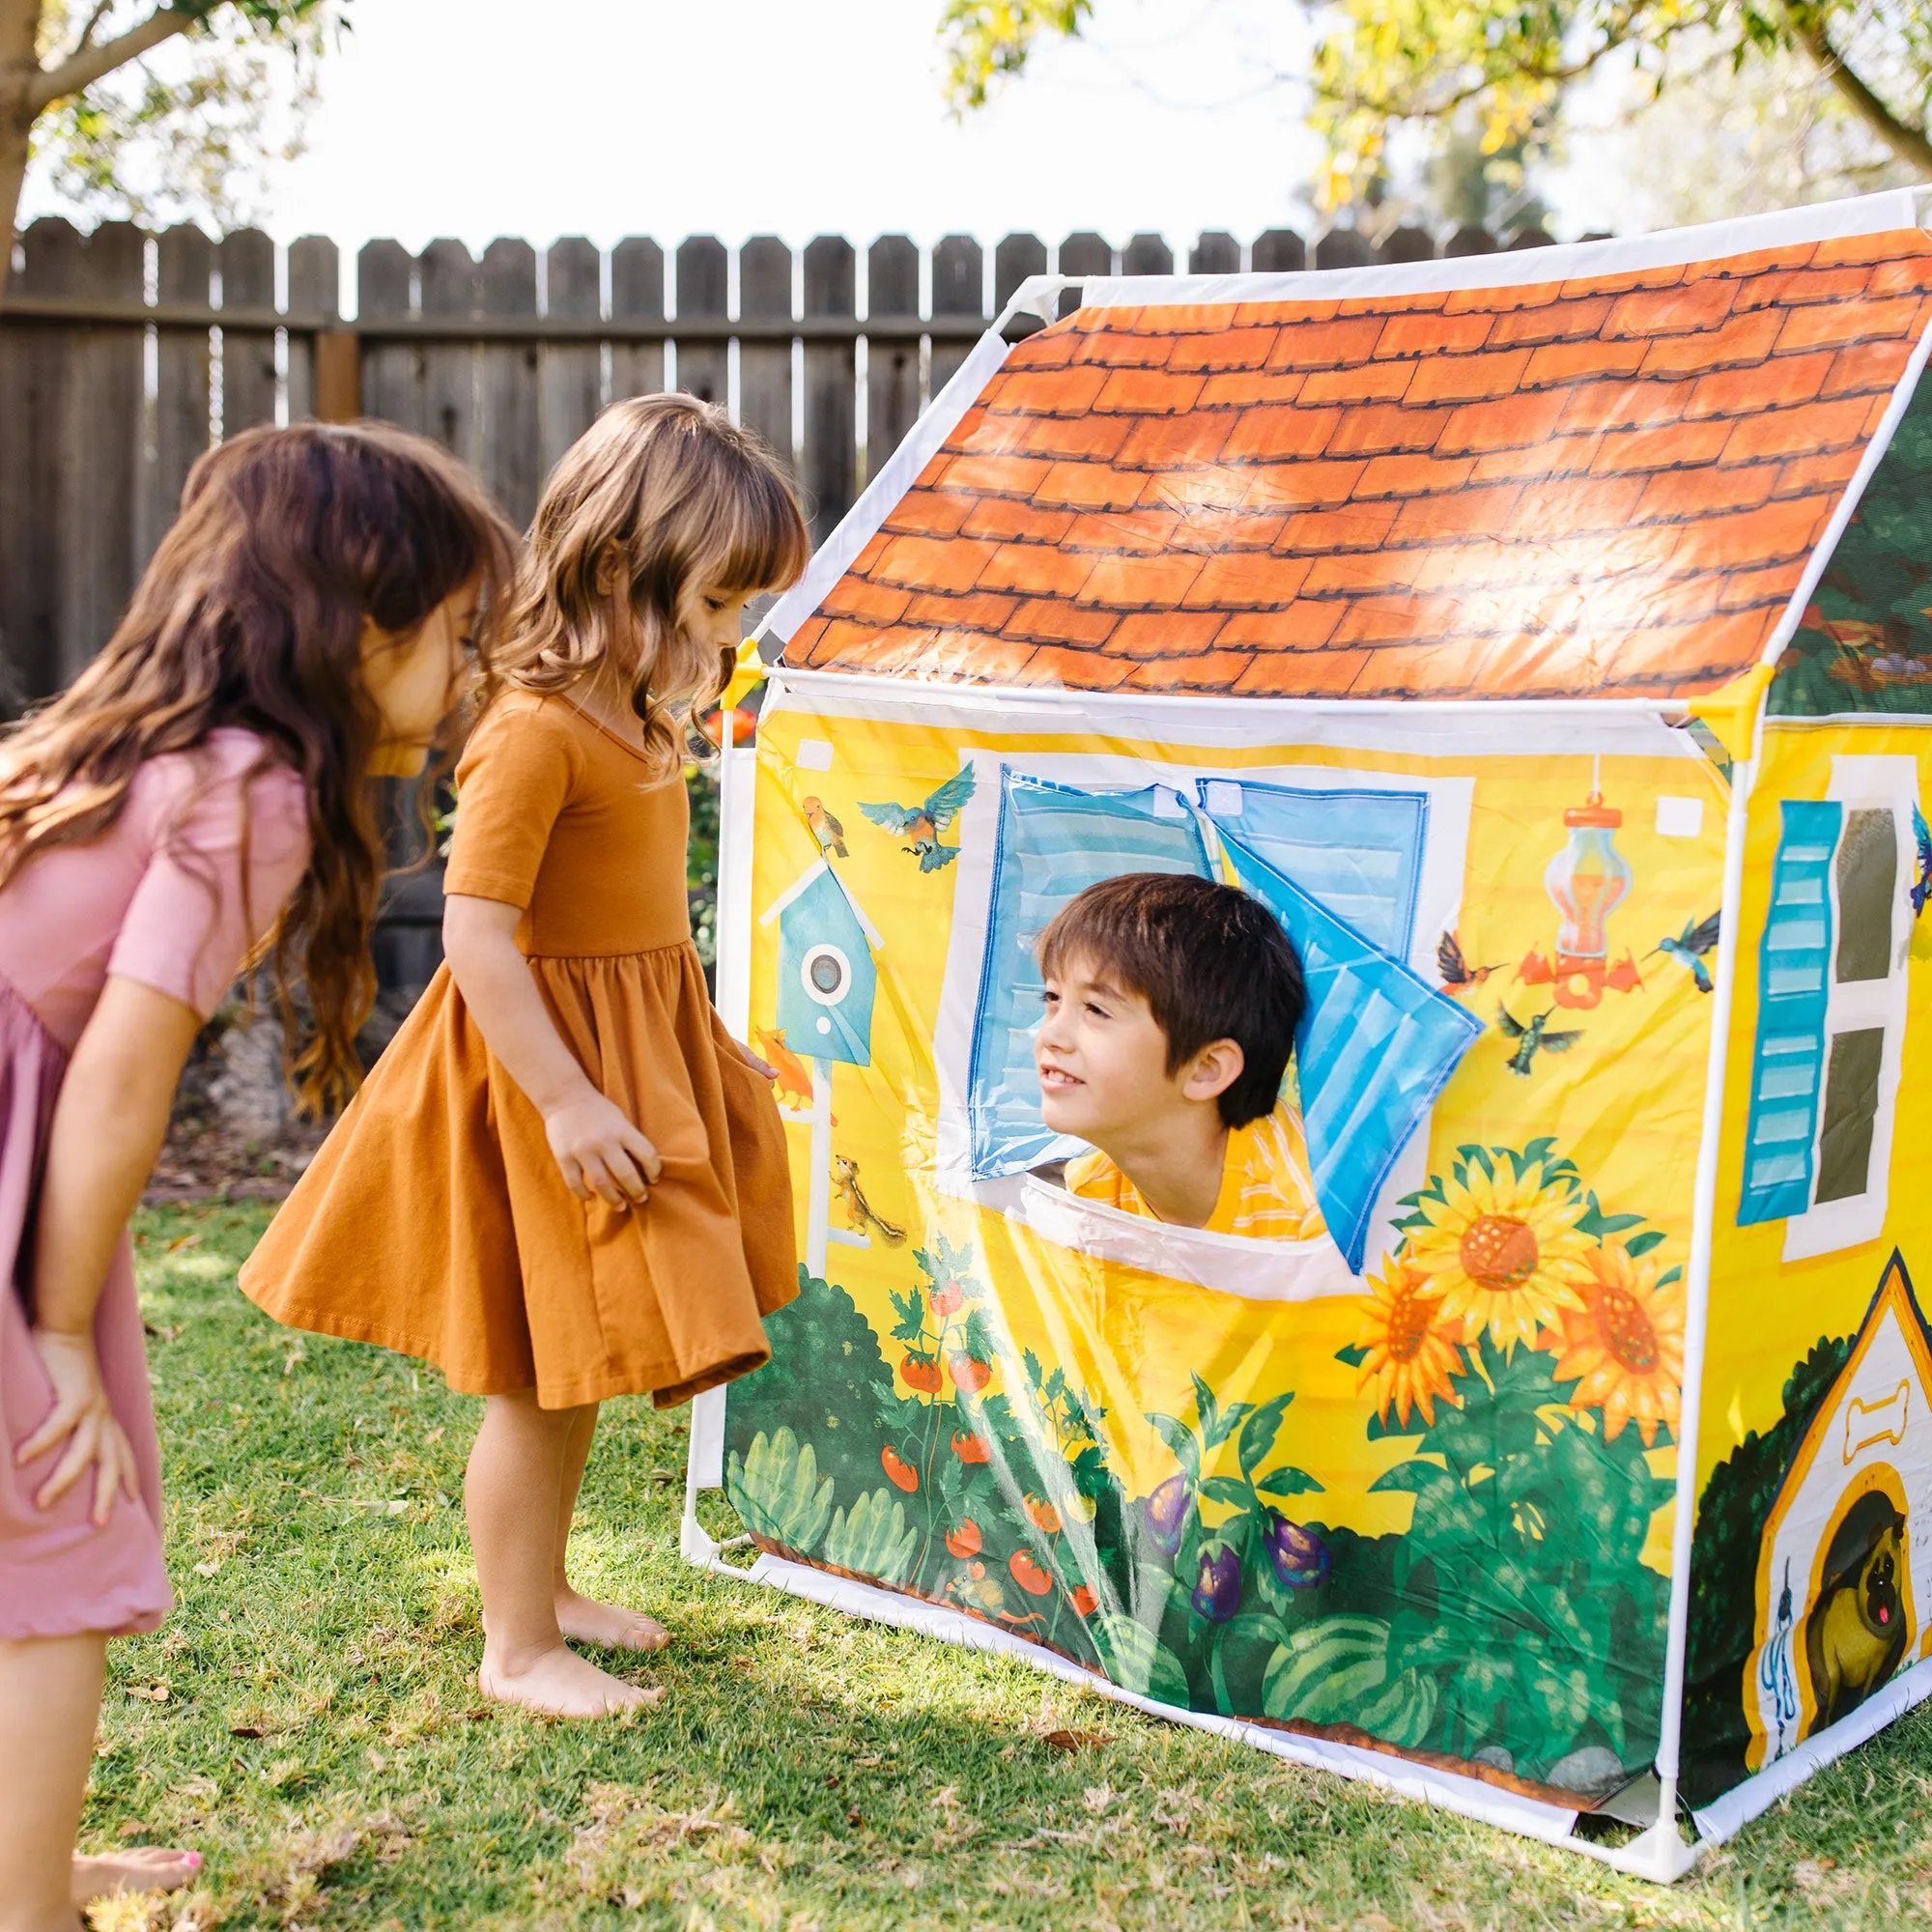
[565,1181]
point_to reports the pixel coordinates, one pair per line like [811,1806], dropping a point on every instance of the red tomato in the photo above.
[1085,1600]
[1028,1573]
[921,1371]
[968,1374]
[1044,1515]
[965,1540]
[972,1448]
[897,1469]
[948,1298]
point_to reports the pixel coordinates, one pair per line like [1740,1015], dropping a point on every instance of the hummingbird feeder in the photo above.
[1586,881]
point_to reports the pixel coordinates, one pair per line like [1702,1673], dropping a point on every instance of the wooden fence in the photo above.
[124,355]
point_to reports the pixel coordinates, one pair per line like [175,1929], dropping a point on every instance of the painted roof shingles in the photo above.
[1566,489]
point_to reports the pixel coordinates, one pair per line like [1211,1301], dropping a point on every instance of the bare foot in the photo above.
[587,1621]
[562,1685]
[139,1868]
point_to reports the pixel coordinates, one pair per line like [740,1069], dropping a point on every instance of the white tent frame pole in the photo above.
[1697,1299]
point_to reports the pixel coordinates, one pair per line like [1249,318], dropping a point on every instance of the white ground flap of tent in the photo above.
[1469,1797]
[1738,1806]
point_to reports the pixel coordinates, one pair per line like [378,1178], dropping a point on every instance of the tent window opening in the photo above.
[1831,1014]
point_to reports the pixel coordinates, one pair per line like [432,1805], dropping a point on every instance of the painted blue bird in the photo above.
[1533,1036]
[1689,946]
[922,824]
[1921,871]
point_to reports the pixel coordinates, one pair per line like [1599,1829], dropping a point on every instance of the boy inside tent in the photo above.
[1171,1009]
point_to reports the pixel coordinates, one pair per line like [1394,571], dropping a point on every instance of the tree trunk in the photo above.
[1909,143]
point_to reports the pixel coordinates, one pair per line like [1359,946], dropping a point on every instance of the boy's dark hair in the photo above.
[1211,962]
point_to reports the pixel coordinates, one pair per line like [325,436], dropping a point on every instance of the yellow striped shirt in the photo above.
[1266,1193]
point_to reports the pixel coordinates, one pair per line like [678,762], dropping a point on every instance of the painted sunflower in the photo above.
[1411,1350]
[1504,1252]
[1625,1343]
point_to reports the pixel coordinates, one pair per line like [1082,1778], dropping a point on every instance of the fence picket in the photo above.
[764,367]
[829,457]
[315,276]
[248,262]
[1017,257]
[636,294]
[958,300]
[892,368]
[572,377]
[181,372]
[391,371]
[509,441]
[704,270]
[450,284]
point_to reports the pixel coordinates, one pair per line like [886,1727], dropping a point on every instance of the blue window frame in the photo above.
[1357,852]
[1054,841]
[1794,992]
[1375,1046]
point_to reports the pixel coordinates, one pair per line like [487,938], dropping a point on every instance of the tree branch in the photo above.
[85,66]
[94,19]
[1907,142]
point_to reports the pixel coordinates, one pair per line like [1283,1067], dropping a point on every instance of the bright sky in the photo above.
[737,117]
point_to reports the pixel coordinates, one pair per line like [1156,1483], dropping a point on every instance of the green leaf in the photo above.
[1354,1356]
[874,1540]
[1641,1244]
[1259,1431]
[774,1488]
[1207,1409]
[1287,1481]
[1180,1439]
[1231,1489]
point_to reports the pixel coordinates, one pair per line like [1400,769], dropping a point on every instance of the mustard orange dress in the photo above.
[434,1220]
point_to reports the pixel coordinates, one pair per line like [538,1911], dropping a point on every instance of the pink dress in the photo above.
[159,899]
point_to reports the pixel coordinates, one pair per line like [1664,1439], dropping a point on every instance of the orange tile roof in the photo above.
[1569,489]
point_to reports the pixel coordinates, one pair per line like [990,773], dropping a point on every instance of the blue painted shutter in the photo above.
[1794,985]
[1375,1046]
[1054,843]
[1358,852]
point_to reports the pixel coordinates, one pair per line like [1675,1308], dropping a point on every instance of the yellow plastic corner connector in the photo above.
[750,674]
[1731,711]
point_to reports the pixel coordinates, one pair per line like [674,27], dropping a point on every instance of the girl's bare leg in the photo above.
[585,1618]
[511,1497]
[50,1703]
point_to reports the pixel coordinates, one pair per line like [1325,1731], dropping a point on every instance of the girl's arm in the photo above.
[598,1148]
[108,1126]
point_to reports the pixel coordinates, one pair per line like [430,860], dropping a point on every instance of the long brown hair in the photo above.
[250,614]
[685,501]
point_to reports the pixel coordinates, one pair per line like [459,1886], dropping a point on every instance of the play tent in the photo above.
[1547,640]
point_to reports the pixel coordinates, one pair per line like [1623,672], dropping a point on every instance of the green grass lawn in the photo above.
[309,1718]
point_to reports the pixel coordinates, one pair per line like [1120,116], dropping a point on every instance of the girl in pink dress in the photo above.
[196,797]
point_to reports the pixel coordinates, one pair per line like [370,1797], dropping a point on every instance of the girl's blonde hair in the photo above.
[686,502]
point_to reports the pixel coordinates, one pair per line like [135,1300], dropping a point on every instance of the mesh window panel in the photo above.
[1867,888]
[1851,1106]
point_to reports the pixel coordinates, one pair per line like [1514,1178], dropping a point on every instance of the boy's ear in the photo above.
[1214,1069]
[609,569]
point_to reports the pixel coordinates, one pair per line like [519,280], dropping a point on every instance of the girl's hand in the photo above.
[758,1066]
[601,1152]
[81,1415]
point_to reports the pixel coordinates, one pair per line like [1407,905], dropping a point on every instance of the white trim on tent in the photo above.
[1660,1853]
[1521,268]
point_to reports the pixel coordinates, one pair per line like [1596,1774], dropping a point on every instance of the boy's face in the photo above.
[1102,1061]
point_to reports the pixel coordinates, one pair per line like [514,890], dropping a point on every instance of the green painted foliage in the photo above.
[775,1487]
[873,1538]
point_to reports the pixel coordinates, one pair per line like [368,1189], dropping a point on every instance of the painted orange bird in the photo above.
[826,829]
[794,1081]
[1458,975]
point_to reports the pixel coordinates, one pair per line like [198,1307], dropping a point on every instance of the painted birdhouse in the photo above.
[827,981]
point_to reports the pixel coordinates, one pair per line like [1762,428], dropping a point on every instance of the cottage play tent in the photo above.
[1547,640]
